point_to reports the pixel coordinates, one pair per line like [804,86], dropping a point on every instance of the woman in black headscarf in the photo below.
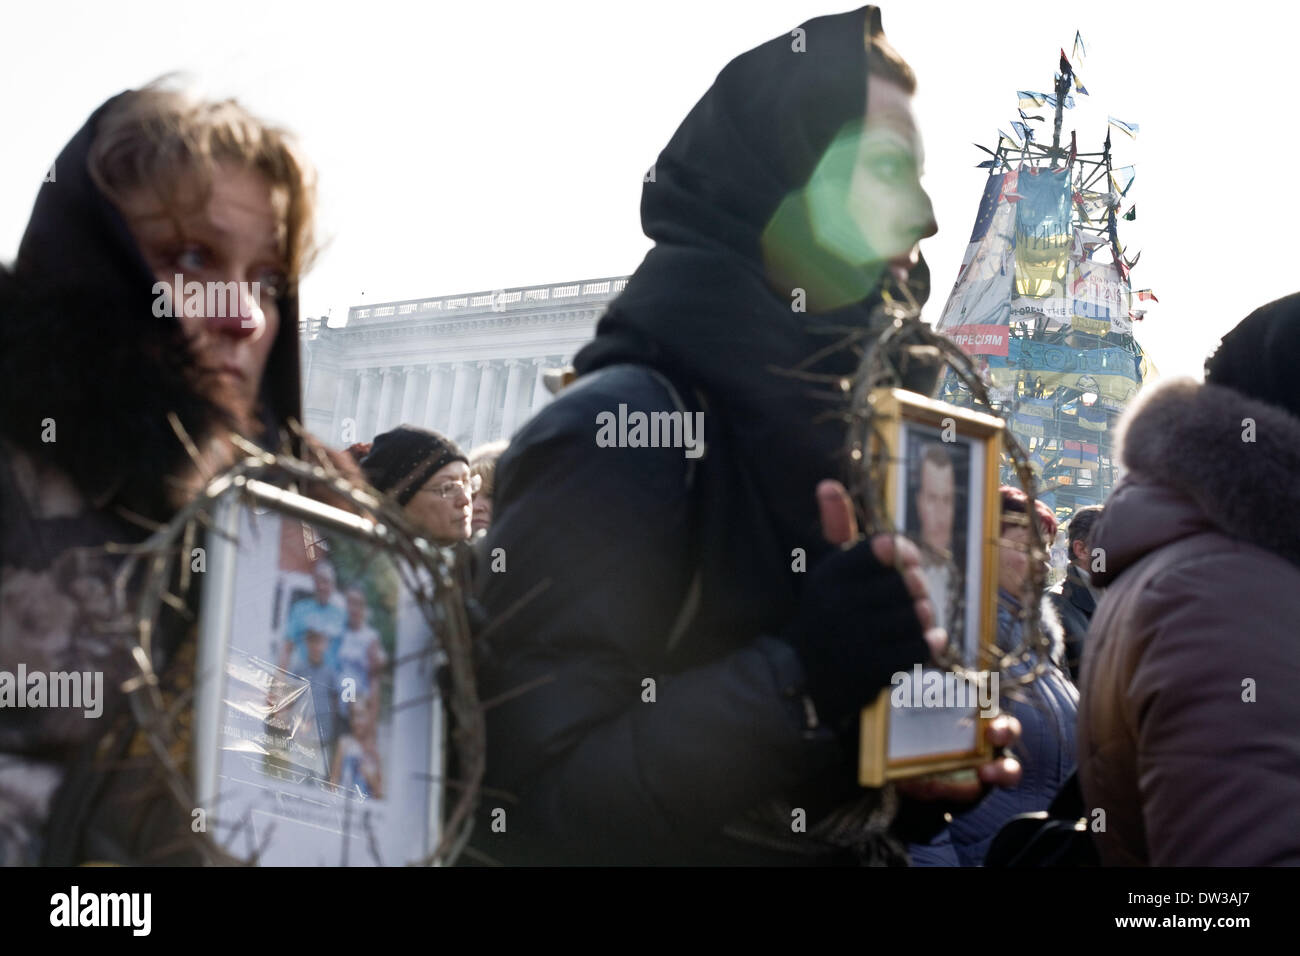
[671,685]
[117,396]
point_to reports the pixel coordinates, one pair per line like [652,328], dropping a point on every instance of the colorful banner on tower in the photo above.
[1099,298]
[1044,233]
[1111,374]
[982,293]
[980,339]
[1095,299]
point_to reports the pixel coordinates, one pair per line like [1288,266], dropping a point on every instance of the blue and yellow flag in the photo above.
[1044,233]
[1037,407]
[1027,425]
[1093,419]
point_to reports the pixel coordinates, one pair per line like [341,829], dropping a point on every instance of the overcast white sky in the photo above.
[477,146]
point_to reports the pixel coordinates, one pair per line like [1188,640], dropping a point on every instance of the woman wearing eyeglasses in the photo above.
[428,475]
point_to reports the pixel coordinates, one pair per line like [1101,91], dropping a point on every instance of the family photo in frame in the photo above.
[319,722]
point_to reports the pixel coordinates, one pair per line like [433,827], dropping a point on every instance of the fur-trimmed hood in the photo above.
[1049,622]
[1202,458]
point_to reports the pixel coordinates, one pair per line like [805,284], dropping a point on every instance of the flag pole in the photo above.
[1062,91]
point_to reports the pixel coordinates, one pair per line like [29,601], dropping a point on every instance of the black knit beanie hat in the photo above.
[402,460]
[1258,358]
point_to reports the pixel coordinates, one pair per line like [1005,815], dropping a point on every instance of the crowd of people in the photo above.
[679,651]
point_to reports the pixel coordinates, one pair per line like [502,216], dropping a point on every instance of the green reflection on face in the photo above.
[865,200]
[862,209]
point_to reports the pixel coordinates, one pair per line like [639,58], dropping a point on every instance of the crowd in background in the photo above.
[680,650]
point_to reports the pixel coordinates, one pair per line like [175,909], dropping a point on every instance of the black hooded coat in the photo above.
[643,710]
[88,374]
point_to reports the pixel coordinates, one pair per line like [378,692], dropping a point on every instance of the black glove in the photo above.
[855,627]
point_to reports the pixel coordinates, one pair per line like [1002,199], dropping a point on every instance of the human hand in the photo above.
[968,786]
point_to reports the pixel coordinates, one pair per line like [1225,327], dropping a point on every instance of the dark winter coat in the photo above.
[1189,731]
[1074,605]
[605,770]
[643,707]
[84,361]
[1047,709]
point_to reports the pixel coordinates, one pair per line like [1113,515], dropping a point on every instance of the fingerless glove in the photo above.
[855,627]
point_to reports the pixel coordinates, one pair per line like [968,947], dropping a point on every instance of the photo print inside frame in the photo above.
[941,491]
[319,722]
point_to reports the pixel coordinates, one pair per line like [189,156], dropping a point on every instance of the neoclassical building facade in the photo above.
[469,366]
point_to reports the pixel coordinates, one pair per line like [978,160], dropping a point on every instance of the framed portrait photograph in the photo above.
[319,725]
[941,466]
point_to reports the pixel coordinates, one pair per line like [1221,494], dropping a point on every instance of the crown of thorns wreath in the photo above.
[161,567]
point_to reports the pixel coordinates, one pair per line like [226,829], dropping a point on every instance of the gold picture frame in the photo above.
[941,465]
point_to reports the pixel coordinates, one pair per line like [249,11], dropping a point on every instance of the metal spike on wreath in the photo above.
[908,354]
[430,572]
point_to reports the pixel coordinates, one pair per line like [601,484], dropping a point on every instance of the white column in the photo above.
[540,394]
[384,417]
[459,389]
[366,405]
[309,347]
[527,382]
[433,398]
[342,392]
[408,395]
[511,414]
[484,405]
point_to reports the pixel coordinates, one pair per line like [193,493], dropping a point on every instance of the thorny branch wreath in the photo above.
[429,571]
[895,350]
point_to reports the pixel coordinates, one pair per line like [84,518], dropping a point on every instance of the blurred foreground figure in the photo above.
[1189,730]
[157,275]
[677,650]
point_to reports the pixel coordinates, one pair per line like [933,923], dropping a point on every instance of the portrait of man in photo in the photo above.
[935,519]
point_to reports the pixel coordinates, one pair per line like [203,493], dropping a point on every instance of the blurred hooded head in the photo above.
[158,274]
[803,159]
[1258,357]
[784,208]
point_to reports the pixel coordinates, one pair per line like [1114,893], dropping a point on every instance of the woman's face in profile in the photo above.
[230,246]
